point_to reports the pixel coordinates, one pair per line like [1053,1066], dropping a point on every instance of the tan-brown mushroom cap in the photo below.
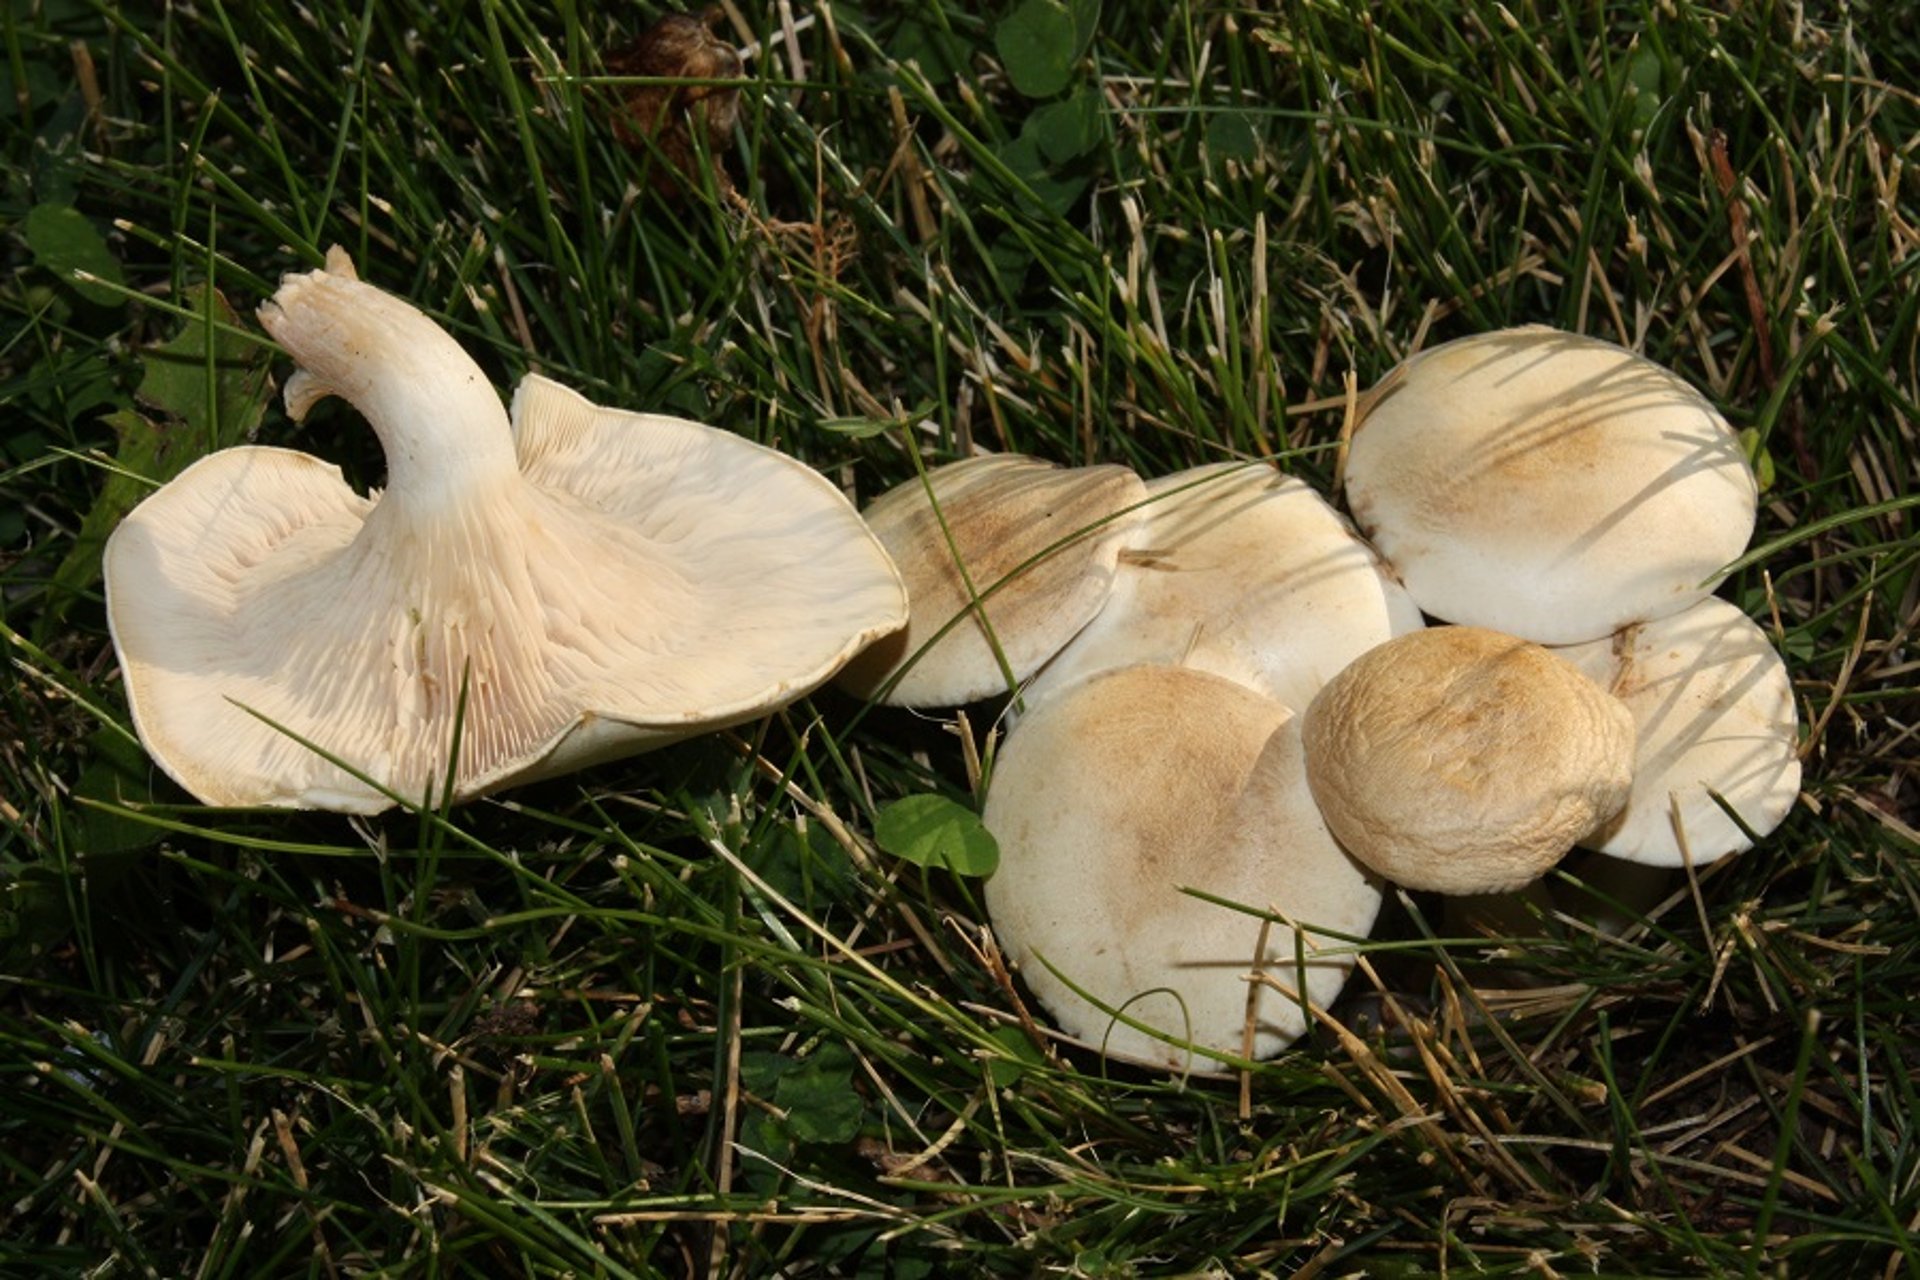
[1548,485]
[1036,545]
[1714,715]
[1463,760]
[579,582]
[1120,792]
[1243,572]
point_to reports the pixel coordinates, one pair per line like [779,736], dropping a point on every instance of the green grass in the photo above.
[678,1015]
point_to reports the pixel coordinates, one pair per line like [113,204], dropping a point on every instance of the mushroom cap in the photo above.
[1548,485]
[1112,797]
[1246,573]
[1465,761]
[1714,714]
[1005,514]
[622,581]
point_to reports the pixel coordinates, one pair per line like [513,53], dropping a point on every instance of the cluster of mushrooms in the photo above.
[1233,723]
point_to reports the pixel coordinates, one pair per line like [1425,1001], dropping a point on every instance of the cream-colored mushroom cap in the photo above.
[1035,545]
[1552,486]
[571,582]
[1714,714]
[1464,760]
[1246,573]
[1110,799]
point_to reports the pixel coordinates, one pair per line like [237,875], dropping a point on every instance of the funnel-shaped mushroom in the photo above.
[1548,485]
[1027,546]
[1246,573]
[579,582]
[1714,714]
[1465,761]
[1118,793]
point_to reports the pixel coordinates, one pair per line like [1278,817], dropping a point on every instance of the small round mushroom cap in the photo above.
[1548,485]
[1036,546]
[569,584]
[1246,573]
[1714,714]
[1463,760]
[1111,798]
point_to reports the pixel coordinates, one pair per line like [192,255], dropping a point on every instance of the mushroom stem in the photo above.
[438,417]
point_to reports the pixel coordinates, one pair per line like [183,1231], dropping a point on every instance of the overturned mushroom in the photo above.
[1714,715]
[1122,791]
[566,585]
[1005,558]
[1548,485]
[1465,761]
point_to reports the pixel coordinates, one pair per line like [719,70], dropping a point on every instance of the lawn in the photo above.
[680,1014]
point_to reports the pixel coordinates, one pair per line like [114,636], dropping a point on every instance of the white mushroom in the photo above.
[1246,573]
[573,584]
[1112,797]
[1465,761]
[1548,485]
[1714,714]
[1032,543]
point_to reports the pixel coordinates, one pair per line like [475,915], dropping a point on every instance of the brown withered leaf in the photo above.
[673,125]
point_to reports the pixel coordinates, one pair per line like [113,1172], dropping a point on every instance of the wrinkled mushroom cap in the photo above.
[578,584]
[1714,715]
[1548,485]
[1464,760]
[1243,572]
[1111,798]
[1036,544]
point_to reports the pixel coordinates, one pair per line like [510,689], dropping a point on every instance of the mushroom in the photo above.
[1036,547]
[1548,485]
[560,585]
[1465,761]
[1714,715]
[1246,573]
[1114,796]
